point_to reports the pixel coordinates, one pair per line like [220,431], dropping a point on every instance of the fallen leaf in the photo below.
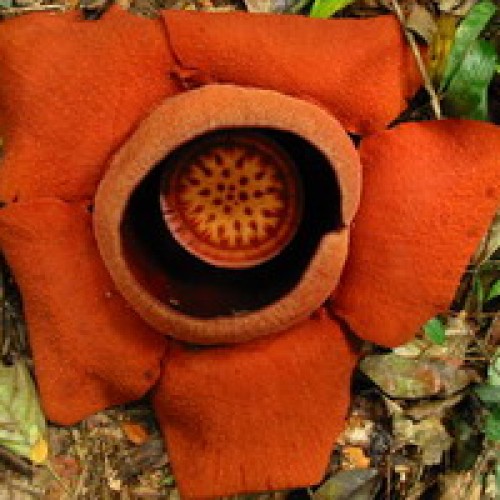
[134,432]
[429,435]
[268,6]
[355,458]
[39,452]
[356,484]
[261,6]
[491,492]
[357,432]
[449,340]
[456,7]
[402,377]
[434,409]
[22,424]
[412,349]
[459,486]
[422,22]
[440,46]
[66,466]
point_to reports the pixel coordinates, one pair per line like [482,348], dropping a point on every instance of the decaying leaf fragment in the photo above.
[460,486]
[22,424]
[357,483]
[259,5]
[456,7]
[421,21]
[429,435]
[440,46]
[414,378]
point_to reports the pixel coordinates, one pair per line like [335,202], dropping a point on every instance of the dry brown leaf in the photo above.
[135,433]
[429,435]
[421,22]
[456,7]
[434,409]
[354,458]
[401,377]
[459,486]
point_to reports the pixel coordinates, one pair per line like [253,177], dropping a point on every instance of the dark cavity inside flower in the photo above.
[242,214]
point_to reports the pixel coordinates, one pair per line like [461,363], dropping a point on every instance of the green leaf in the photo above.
[324,9]
[489,394]
[492,426]
[435,332]
[22,424]
[467,92]
[466,34]
[494,291]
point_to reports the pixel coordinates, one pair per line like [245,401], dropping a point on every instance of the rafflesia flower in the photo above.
[180,197]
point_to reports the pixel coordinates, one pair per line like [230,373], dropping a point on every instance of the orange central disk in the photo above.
[233,199]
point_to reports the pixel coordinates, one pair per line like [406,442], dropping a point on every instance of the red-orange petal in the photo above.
[430,191]
[90,349]
[70,92]
[360,70]
[262,415]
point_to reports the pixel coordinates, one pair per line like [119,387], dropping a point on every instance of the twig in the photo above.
[436,107]
[14,11]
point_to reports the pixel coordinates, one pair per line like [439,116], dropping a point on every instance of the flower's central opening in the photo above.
[233,199]
[161,241]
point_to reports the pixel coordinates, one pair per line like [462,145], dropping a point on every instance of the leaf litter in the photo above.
[425,417]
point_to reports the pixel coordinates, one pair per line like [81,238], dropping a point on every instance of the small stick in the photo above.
[14,11]
[436,107]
